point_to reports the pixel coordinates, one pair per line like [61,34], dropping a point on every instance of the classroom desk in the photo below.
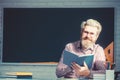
[42,79]
[73,79]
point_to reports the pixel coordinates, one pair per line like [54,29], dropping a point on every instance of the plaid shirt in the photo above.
[63,70]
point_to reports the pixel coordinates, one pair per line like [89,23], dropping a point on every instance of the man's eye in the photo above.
[91,33]
[85,32]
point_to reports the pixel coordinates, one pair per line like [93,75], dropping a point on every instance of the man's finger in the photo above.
[85,64]
[75,65]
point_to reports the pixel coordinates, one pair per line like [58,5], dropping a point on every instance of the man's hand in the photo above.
[81,70]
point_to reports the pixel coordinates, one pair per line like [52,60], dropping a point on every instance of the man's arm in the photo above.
[99,63]
[62,69]
[100,59]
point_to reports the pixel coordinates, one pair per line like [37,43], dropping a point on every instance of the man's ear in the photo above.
[97,36]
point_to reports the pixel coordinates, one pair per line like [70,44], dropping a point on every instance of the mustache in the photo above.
[86,38]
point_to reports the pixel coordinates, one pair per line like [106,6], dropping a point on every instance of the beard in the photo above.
[87,43]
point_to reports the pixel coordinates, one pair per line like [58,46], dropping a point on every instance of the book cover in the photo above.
[69,57]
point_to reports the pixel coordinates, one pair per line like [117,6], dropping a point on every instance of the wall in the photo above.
[64,4]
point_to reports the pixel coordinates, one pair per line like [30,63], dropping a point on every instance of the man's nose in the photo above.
[88,35]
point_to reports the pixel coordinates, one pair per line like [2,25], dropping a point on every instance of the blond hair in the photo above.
[92,23]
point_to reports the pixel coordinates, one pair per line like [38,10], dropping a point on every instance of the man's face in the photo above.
[89,36]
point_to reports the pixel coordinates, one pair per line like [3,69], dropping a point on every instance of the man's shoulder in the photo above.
[98,46]
[73,43]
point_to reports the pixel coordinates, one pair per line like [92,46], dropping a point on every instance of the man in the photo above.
[90,31]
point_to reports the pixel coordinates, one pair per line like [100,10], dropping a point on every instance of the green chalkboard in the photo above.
[40,34]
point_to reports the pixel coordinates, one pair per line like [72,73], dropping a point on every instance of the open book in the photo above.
[69,57]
